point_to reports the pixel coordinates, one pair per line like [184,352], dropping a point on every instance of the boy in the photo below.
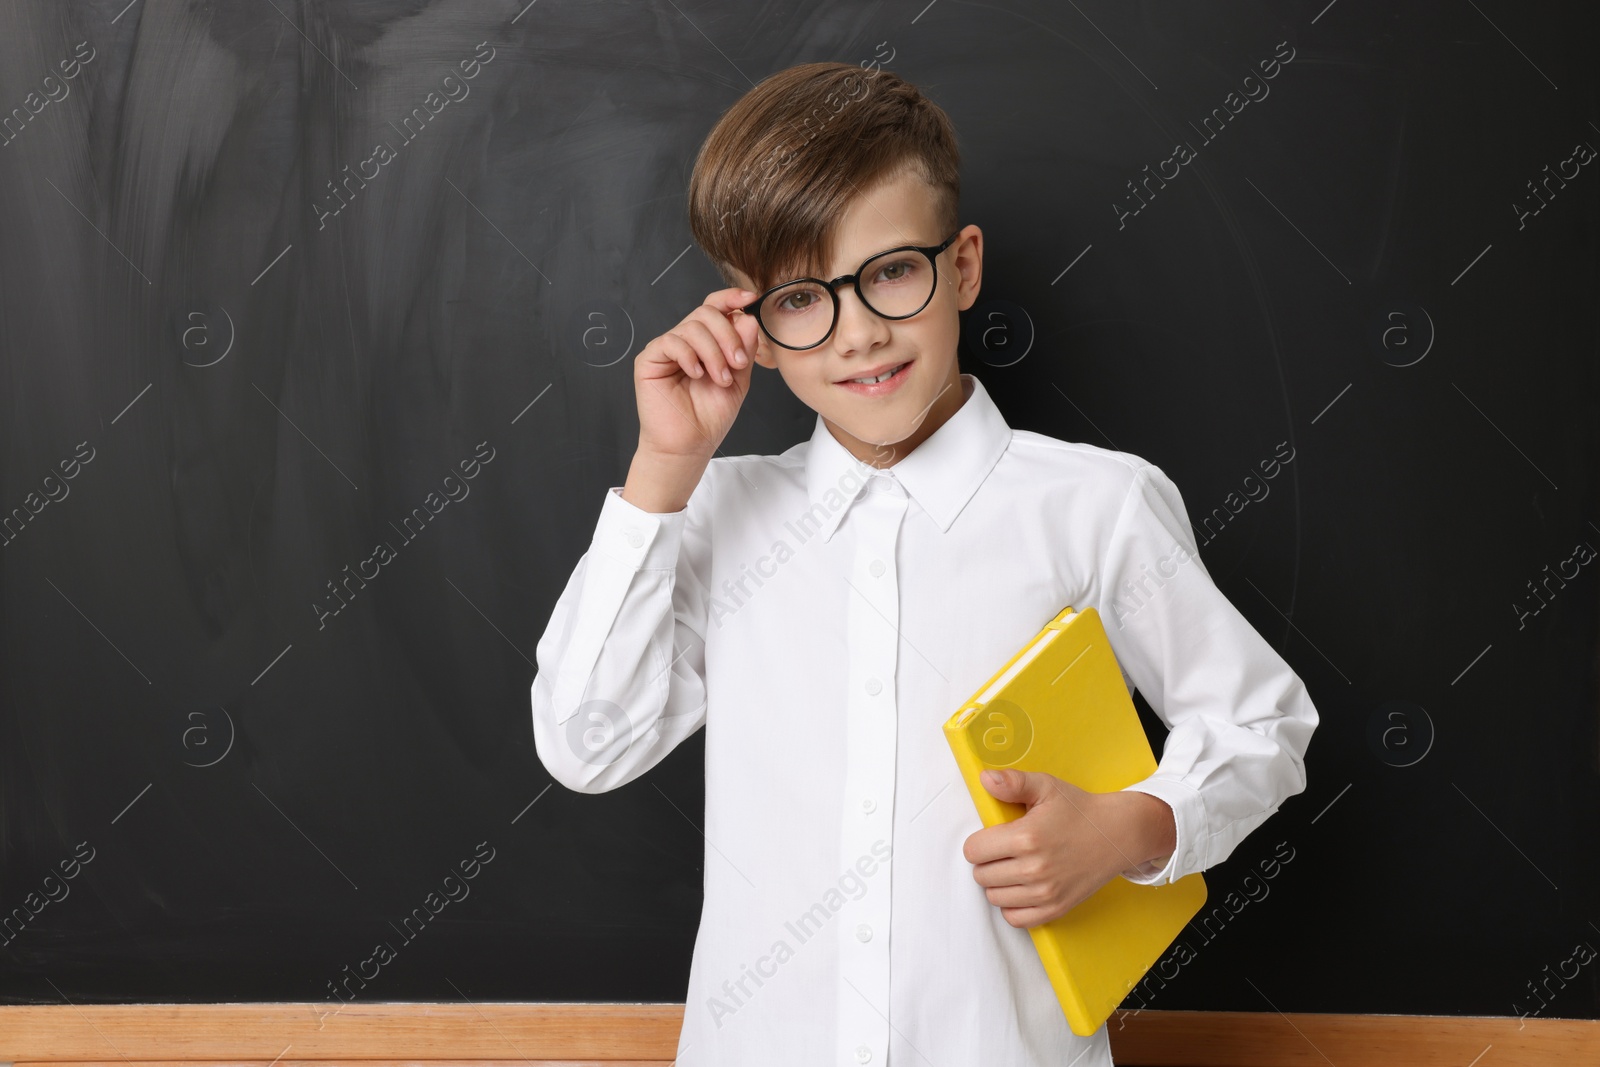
[823,611]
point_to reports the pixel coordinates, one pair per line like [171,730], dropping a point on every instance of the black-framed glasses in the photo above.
[895,284]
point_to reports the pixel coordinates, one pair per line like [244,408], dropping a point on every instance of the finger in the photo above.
[1017,896]
[999,841]
[726,322]
[672,351]
[985,846]
[726,300]
[1023,918]
[720,331]
[1003,872]
[706,347]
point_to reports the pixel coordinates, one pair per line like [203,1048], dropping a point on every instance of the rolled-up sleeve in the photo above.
[621,664]
[1238,716]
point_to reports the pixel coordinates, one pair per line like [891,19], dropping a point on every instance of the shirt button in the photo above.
[635,538]
[868,806]
[877,568]
[863,1054]
[874,687]
[863,932]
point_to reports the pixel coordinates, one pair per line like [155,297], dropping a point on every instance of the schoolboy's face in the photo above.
[881,426]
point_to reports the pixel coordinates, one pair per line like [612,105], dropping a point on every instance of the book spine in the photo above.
[1047,942]
[990,810]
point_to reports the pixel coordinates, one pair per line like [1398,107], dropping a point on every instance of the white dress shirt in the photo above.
[822,619]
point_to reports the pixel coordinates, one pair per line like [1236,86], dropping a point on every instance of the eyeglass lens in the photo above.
[894,284]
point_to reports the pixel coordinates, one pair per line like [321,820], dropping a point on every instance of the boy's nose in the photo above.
[858,325]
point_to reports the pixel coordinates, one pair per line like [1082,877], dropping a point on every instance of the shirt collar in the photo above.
[941,474]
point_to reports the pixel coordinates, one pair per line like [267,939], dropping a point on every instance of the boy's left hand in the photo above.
[1068,844]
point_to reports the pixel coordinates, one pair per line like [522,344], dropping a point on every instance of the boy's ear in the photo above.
[969,266]
[763,354]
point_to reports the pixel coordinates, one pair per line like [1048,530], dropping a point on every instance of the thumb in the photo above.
[749,331]
[1018,787]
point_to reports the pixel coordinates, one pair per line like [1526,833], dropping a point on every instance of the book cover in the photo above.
[1060,706]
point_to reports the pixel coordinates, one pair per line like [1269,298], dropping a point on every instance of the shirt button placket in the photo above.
[872,637]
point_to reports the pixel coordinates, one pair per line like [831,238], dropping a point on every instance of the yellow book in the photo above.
[1060,706]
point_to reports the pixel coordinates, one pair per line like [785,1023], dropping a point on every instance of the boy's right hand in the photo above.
[685,407]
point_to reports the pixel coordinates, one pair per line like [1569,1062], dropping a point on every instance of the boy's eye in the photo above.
[895,271]
[797,299]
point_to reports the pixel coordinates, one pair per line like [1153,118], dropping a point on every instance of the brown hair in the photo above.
[779,168]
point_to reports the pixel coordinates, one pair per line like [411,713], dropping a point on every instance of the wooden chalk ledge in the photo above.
[646,1035]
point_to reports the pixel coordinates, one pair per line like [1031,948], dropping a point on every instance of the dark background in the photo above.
[268,392]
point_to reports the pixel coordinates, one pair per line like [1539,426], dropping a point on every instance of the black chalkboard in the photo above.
[318,320]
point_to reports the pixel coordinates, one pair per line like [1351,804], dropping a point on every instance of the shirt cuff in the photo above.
[635,538]
[1188,813]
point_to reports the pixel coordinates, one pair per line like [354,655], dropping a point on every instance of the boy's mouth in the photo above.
[883,380]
